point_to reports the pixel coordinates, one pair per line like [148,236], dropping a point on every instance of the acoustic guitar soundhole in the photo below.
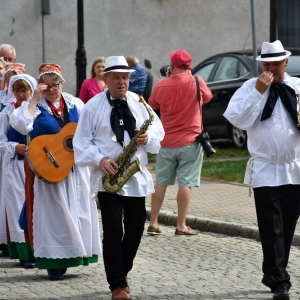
[68,143]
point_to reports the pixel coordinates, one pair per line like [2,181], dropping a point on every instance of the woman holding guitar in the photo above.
[12,147]
[62,217]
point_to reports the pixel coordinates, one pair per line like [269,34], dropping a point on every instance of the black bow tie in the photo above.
[121,119]
[288,98]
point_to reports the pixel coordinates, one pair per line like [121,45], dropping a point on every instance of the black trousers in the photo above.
[120,246]
[277,210]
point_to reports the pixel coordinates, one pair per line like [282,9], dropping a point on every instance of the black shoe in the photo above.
[5,252]
[281,293]
[55,274]
[29,264]
[63,270]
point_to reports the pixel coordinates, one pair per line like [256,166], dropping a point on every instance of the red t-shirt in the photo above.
[176,97]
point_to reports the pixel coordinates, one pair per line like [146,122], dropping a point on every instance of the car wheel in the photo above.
[239,138]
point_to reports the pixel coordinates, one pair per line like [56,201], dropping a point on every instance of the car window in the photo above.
[243,70]
[227,69]
[294,65]
[205,71]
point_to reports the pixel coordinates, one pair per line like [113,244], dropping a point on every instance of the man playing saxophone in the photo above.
[116,129]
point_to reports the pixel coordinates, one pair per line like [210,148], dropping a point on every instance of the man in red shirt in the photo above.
[180,155]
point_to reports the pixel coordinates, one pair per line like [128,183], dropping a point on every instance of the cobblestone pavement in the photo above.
[216,199]
[216,206]
[207,266]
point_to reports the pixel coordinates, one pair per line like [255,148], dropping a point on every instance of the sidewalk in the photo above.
[217,207]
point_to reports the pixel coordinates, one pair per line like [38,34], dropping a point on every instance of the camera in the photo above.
[203,139]
[164,70]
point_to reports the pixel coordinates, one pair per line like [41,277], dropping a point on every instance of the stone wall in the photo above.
[146,28]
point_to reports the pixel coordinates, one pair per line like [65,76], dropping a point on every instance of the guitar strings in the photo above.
[68,143]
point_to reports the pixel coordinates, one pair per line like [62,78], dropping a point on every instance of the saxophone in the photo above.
[114,182]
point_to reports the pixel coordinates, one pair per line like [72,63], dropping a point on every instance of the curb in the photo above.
[215,226]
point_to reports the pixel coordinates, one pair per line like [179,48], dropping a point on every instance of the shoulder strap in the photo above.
[199,98]
[198,88]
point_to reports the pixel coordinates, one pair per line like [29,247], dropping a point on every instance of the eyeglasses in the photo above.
[21,91]
[53,86]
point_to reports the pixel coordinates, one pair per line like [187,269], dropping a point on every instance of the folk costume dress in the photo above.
[12,190]
[64,218]
[3,237]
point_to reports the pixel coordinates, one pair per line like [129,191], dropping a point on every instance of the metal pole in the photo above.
[43,37]
[45,9]
[80,52]
[254,39]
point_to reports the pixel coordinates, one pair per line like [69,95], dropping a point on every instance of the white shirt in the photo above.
[274,144]
[93,140]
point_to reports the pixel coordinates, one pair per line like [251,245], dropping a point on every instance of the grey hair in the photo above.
[53,77]
[8,46]
[133,59]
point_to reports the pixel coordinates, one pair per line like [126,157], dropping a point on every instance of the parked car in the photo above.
[224,73]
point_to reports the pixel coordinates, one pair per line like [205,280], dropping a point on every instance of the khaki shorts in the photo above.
[183,162]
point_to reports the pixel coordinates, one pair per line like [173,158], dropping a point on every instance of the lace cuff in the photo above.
[10,150]
[26,113]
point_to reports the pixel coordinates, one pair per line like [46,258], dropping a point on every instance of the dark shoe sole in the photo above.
[29,265]
[154,233]
[55,276]
[281,297]
[64,270]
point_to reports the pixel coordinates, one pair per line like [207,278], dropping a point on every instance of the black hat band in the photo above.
[116,67]
[272,54]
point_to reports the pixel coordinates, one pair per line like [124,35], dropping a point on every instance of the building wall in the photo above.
[146,28]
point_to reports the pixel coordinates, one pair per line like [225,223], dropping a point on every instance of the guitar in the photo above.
[51,156]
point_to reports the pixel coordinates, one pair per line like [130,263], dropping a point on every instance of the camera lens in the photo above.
[164,70]
[207,147]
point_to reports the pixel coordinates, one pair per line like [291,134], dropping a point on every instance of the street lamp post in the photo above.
[45,11]
[254,39]
[80,52]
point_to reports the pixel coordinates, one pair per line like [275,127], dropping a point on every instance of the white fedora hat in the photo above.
[273,52]
[116,64]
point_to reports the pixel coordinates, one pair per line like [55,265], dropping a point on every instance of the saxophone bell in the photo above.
[113,184]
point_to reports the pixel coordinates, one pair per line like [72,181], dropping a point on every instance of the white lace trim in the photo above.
[3,98]
[3,238]
[27,115]
[53,252]
[8,110]
[10,150]
[69,99]
[17,236]
[10,146]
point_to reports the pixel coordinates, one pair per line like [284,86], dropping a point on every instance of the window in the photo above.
[285,22]
[227,69]
[205,71]
[293,67]
[242,70]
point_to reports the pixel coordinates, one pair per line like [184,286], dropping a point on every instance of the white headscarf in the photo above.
[29,79]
